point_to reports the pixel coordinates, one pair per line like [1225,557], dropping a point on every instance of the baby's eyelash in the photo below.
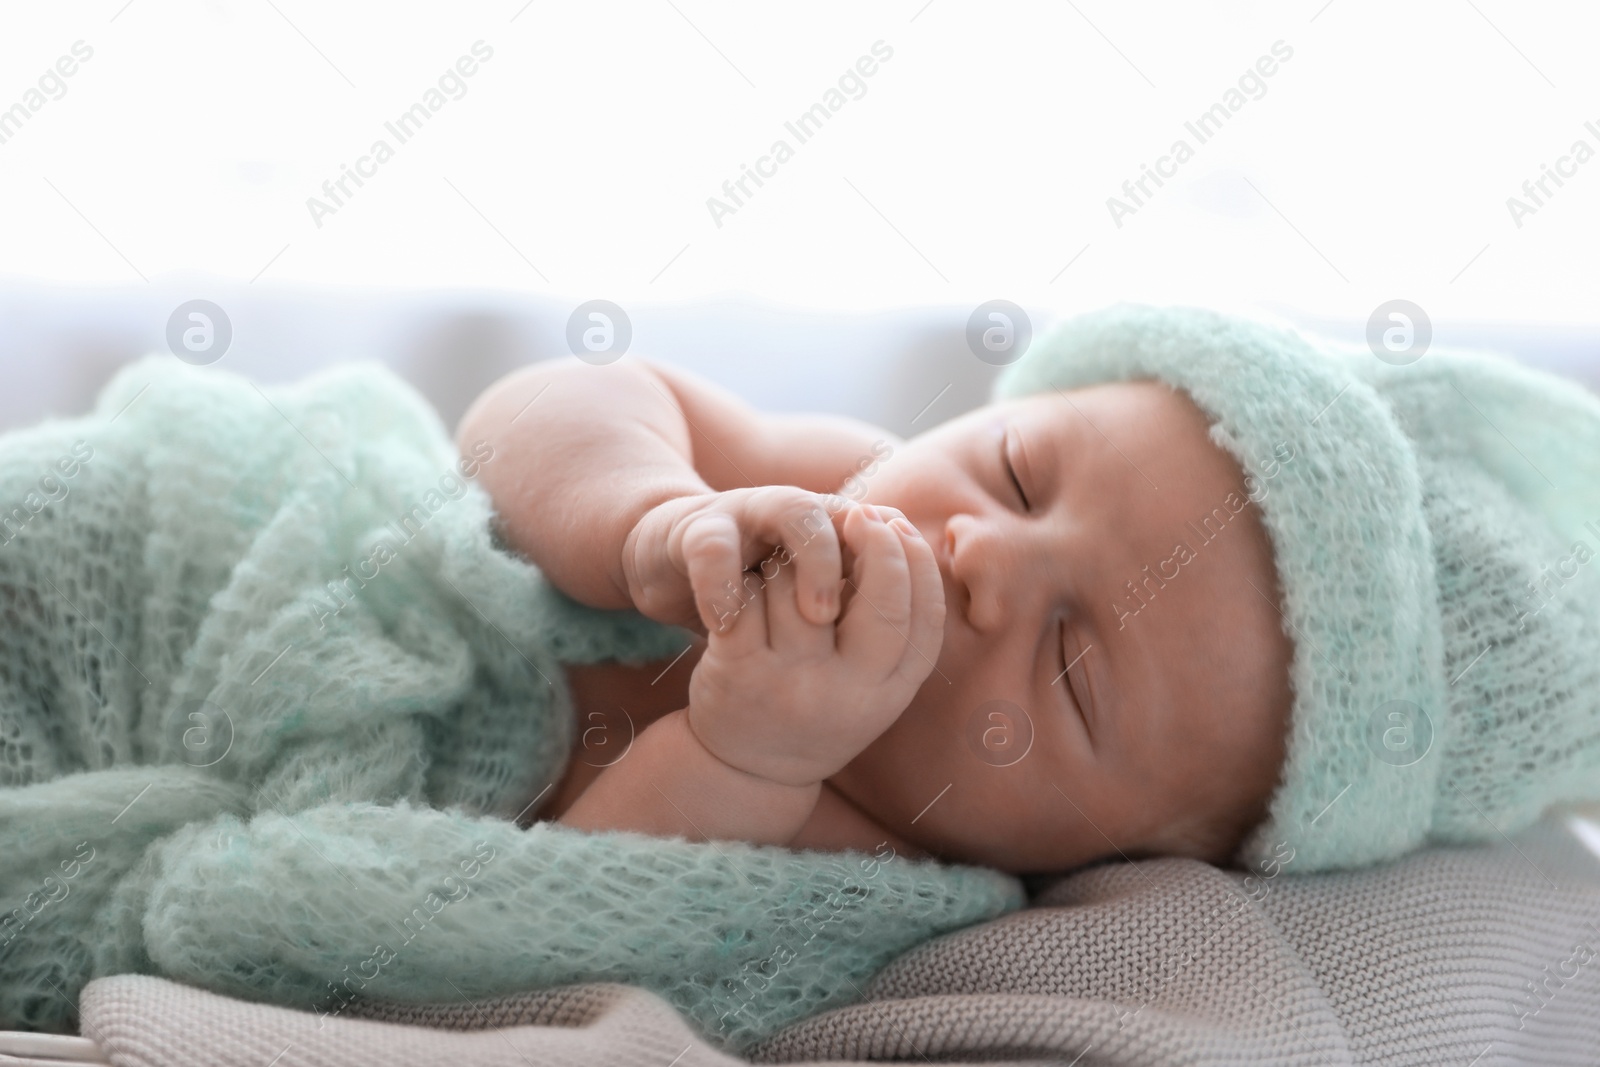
[1005,461]
[1077,693]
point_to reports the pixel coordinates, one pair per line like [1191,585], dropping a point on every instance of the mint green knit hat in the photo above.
[1437,538]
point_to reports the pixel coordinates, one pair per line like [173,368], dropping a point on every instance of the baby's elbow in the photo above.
[506,394]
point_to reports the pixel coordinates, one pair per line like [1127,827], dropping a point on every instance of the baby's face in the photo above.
[1147,703]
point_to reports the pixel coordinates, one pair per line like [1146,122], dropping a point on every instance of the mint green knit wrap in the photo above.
[270,697]
[1434,536]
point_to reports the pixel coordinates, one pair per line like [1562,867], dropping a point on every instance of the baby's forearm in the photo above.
[581,453]
[670,785]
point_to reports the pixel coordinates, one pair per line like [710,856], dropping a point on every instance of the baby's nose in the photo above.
[970,555]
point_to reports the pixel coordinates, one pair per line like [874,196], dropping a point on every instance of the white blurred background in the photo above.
[575,163]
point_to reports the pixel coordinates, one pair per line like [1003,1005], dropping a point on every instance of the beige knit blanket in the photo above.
[1471,957]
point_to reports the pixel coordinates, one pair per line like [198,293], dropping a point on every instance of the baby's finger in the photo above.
[741,617]
[787,630]
[804,527]
[847,554]
[926,635]
[873,632]
[711,552]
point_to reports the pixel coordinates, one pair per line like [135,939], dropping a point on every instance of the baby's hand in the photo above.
[685,560]
[793,701]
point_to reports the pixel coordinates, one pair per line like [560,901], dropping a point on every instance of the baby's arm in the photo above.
[581,453]
[671,785]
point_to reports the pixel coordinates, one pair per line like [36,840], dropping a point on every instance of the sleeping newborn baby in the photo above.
[1074,623]
[994,576]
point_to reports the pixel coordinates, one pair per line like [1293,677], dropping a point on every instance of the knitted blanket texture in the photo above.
[271,696]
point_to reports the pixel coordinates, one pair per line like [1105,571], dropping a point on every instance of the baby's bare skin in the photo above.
[614,702]
[1185,700]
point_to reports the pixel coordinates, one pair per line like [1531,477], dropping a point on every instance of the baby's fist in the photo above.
[685,560]
[793,701]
